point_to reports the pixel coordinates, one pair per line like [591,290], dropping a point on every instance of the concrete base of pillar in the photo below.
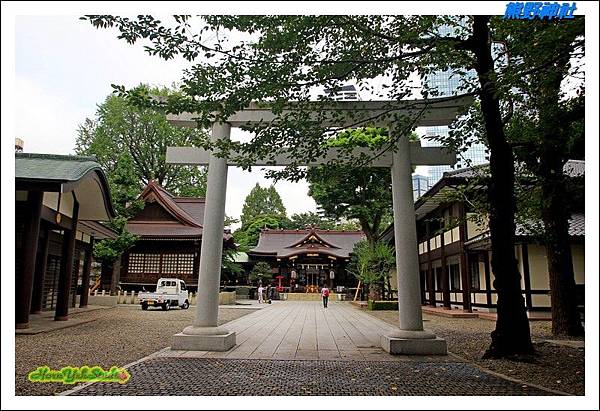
[61,318]
[21,326]
[414,346]
[203,342]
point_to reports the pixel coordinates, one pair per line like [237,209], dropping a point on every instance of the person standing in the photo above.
[325,295]
[260,294]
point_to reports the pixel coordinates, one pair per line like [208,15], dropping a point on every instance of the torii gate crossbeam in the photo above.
[410,337]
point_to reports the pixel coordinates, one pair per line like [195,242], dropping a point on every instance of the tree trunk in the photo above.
[366,228]
[555,207]
[563,293]
[511,336]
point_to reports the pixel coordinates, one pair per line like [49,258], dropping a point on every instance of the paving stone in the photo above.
[227,377]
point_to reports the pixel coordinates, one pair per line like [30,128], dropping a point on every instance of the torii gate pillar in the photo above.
[409,338]
[204,334]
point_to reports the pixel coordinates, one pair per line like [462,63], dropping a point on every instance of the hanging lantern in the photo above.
[331,274]
[293,275]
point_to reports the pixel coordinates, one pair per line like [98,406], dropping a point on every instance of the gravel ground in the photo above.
[559,368]
[118,337]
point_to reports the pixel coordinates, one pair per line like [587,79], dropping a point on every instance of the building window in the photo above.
[178,264]
[152,264]
[438,278]
[136,263]
[169,263]
[474,273]
[454,274]
[163,264]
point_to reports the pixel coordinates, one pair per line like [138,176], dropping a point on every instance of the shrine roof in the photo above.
[287,243]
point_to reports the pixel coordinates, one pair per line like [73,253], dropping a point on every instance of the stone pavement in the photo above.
[300,348]
[288,330]
[215,376]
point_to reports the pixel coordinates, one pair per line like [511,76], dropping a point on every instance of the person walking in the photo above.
[325,295]
[261,289]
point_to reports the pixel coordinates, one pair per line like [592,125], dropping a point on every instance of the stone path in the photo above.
[300,348]
[287,330]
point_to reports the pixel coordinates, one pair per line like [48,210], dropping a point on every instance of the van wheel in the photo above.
[185,305]
[144,306]
[165,306]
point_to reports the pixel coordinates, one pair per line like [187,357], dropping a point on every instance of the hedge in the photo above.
[382,305]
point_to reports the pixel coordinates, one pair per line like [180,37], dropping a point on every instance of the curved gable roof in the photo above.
[63,174]
[312,235]
[286,243]
[165,199]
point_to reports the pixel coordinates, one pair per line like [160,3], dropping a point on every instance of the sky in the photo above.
[65,67]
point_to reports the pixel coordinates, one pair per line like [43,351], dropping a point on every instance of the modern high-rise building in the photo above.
[420,185]
[446,84]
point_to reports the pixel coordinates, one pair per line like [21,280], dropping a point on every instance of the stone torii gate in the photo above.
[410,337]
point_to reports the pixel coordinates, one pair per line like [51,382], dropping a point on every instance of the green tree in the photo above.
[247,236]
[348,225]
[230,270]
[262,202]
[108,250]
[289,56]
[130,144]
[261,272]
[548,130]
[144,134]
[300,221]
[371,263]
[361,193]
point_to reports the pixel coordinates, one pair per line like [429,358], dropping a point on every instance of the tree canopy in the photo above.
[351,192]
[262,202]
[123,131]
[130,143]
[261,272]
[300,221]
[372,262]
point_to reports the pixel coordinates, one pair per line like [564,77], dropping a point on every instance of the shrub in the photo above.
[382,305]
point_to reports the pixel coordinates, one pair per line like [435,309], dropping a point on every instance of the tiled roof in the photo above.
[572,168]
[82,176]
[168,202]
[53,167]
[286,243]
[194,207]
[147,229]
[576,229]
[188,213]
[576,226]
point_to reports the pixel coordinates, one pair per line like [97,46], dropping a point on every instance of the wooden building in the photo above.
[455,251]
[308,259]
[60,202]
[170,236]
